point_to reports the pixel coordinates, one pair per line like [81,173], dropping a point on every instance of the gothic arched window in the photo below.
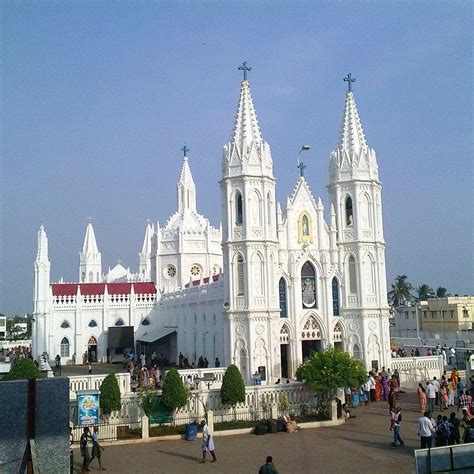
[93,323]
[335,297]
[119,322]
[349,212]
[65,324]
[91,277]
[282,294]
[65,347]
[240,276]
[308,286]
[146,322]
[269,209]
[238,209]
[352,275]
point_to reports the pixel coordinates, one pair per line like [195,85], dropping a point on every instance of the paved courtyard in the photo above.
[361,445]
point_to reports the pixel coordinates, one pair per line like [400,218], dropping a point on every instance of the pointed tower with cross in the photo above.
[355,194]
[250,246]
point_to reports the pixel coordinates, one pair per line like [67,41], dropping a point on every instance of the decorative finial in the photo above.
[301,167]
[244,68]
[119,261]
[349,79]
[89,220]
[148,221]
[185,149]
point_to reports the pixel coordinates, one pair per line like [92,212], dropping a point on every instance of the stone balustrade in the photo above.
[93,382]
[414,370]
[199,374]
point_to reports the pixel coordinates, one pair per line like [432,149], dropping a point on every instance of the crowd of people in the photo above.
[448,353]
[13,354]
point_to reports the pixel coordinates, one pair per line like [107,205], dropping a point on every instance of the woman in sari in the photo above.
[378,387]
[385,387]
[421,393]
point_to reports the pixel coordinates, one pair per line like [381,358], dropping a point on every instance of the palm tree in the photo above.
[400,292]
[424,292]
[441,292]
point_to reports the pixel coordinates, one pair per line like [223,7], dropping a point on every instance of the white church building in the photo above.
[270,286]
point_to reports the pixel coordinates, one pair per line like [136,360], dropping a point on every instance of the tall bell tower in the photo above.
[250,246]
[355,193]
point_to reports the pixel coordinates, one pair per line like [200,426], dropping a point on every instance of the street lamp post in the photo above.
[300,165]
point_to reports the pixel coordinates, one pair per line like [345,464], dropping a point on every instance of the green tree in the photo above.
[332,369]
[110,395]
[441,292]
[174,394]
[400,291]
[23,369]
[148,400]
[424,292]
[233,387]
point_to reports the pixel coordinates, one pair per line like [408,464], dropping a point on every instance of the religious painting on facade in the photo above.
[308,286]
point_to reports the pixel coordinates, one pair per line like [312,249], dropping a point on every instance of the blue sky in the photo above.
[97,99]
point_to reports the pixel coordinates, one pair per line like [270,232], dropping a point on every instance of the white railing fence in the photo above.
[414,370]
[93,382]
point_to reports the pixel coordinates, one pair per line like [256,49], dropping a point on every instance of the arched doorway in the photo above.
[92,349]
[310,338]
[285,351]
[337,337]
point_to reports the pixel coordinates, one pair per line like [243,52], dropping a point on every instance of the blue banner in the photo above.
[88,408]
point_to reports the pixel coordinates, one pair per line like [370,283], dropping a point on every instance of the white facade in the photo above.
[266,289]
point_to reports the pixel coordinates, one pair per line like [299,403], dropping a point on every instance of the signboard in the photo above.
[88,407]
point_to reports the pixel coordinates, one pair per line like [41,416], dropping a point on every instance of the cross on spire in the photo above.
[244,68]
[185,149]
[349,79]
[301,166]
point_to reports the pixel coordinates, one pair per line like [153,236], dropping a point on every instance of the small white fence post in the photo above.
[145,427]
[210,420]
[274,411]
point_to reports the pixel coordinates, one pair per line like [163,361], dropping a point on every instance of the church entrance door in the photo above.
[308,347]
[92,349]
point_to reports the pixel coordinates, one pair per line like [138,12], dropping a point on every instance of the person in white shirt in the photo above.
[372,387]
[207,443]
[431,395]
[425,430]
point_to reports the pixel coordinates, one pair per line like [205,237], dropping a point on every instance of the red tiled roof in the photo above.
[70,289]
[204,280]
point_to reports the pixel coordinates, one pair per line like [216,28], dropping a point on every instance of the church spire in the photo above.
[186,187]
[90,259]
[247,152]
[352,136]
[42,255]
[352,159]
[90,244]
[144,269]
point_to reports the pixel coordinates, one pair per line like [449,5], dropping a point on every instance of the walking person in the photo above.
[431,395]
[96,448]
[372,387]
[421,393]
[86,456]
[395,425]
[71,453]
[207,443]
[268,467]
[455,422]
[425,430]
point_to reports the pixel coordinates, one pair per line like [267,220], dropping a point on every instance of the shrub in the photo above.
[148,400]
[174,394]
[110,395]
[332,369]
[23,369]
[233,387]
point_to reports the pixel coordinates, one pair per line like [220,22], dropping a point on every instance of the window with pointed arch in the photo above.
[269,209]
[146,322]
[352,275]
[239,219]
[240,276]
[92,323]
[65,347]
[349,212]
[282,294]
[335,297]
[308,286]
[119,322]
[65,324]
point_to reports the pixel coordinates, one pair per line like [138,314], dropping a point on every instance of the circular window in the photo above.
[195,270]
[170,271]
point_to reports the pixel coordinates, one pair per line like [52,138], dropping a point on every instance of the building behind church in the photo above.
[270,286]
